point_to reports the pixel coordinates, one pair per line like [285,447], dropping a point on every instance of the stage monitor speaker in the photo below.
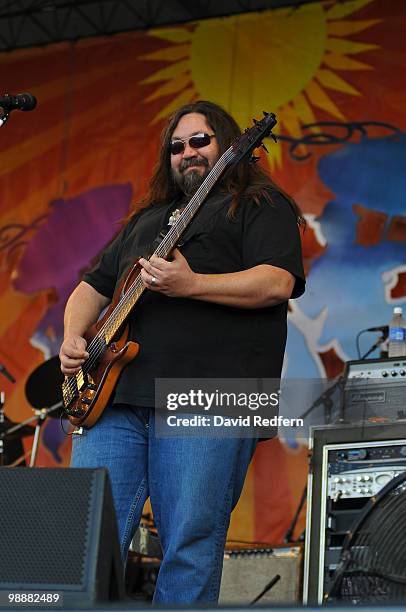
[246,572]
[58,533]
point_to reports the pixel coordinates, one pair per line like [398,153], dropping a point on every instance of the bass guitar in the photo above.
[86,394]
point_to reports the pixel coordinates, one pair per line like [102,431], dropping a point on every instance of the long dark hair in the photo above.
[241,180]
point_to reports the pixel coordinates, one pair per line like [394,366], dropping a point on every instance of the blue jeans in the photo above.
[193,482]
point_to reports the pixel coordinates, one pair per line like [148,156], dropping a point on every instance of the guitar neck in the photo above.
[171,239]
[169,242]
[122,310]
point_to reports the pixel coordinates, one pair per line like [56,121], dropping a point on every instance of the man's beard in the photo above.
[189,182]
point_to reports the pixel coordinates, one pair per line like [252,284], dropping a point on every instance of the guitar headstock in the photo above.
[252,137]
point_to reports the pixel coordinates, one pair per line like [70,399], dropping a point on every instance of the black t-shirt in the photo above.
[187,338]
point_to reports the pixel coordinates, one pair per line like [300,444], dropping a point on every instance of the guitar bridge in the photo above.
[78,392]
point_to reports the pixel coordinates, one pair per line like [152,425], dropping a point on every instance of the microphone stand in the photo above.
[376,344]
[288,535]
[39,416]
[325,399]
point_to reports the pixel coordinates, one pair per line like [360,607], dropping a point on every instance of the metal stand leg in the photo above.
[41,418]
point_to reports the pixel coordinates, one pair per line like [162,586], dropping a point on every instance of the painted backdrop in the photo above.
[70,171]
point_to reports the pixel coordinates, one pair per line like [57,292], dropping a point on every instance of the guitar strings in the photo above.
[99,342]
[161,250]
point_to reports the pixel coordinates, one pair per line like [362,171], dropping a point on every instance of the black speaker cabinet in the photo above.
[349,464]
[58,533]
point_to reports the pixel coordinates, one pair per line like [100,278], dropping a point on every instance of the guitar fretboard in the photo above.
[136,289]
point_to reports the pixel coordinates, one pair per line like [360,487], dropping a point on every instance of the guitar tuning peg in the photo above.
[273,137]
[254,159]
[264,147]
[255,121]
[265,113]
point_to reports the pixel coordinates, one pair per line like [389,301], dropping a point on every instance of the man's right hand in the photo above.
[73,354]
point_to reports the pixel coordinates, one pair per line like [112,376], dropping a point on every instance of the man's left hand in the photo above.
[174,278]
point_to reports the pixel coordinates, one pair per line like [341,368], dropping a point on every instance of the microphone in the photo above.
[381,328]
[23,102]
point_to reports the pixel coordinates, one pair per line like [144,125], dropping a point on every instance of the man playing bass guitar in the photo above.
[216,307]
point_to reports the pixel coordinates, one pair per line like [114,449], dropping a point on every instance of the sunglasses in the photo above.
[196,142]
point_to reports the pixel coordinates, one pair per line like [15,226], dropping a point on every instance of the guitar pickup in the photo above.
[75,412]
[86,400]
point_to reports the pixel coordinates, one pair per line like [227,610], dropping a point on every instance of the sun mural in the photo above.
[87,152]
[225,60]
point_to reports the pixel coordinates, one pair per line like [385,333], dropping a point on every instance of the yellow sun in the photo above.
[283,61]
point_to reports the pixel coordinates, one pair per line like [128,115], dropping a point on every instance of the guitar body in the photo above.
[93,395]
